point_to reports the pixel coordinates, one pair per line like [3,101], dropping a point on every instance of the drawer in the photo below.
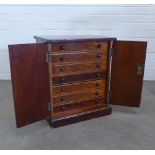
[79,77]
[89,85]
[81,46]
[65,69]
[81,95]
[79,57]
[78,107]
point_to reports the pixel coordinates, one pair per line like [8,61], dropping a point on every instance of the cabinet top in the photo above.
[67,38]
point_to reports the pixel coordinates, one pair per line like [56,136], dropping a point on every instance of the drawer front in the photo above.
[81,46]
[78,107]
[65,69]
[68,88]
[79,57]
[79,77]
[82,95]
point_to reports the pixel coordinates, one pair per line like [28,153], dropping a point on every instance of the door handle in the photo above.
[140,69]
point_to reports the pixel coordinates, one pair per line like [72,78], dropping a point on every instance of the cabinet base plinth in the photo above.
[54,123]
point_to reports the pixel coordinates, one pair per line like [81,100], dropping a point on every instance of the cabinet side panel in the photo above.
[30,83]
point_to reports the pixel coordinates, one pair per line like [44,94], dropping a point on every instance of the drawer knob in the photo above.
[62,47]
[99,45]
[97,85]
[62,89]
[96,93]
[62,69]
[62,79]
[62,99]
[61,59]
[63,108]
[98,55]
[98,65]
[98,74]
[97,101]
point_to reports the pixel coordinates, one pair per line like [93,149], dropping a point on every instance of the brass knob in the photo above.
[62,47]
[62,69]
[62,99]
[98,74]
[62,89]
[98,55]
[97,85]
[99,45]
[98,65]
[61,59]
[62,79]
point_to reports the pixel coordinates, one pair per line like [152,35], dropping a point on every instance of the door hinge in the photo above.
[48,56]
[110,94]
[49,106]
[111,52]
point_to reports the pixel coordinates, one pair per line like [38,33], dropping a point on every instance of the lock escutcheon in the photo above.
[140,69]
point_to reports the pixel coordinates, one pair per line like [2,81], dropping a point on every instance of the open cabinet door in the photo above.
[127,72]
[30,84]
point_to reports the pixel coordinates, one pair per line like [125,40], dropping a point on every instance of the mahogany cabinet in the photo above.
[67,79]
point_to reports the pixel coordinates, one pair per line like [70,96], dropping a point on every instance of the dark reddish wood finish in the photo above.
[82,109]
[72,38]
[77,57]
[29,72]
[77,96]
[84,46]
[80,117]
[80,86]
[79,77]
[75,105]
[75,68]
[126,85]
[30,78]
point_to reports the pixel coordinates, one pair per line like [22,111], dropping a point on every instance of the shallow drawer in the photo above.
[82,95]
[65,69]
[81,46]
[84,86]
[79,57]
[78,107]
[79,77]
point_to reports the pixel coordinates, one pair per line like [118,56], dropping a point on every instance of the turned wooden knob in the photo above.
[63,108]
[98,65]
[62,47]
[97,85]
[62,79]
[96,93]
[99,45]
[62,99]
[61,59]
[62,69]
[98,55]
[62,89]
[97,101]
[98,74]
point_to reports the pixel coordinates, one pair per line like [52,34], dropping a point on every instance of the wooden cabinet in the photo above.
[69,79]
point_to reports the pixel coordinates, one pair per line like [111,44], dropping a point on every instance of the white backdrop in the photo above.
[19,23]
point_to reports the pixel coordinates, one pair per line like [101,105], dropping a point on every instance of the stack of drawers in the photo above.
[79,74]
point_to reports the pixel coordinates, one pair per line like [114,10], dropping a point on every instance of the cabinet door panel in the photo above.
[29,72]
[127,72]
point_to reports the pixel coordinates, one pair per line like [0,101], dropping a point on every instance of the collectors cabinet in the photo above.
[67,79]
